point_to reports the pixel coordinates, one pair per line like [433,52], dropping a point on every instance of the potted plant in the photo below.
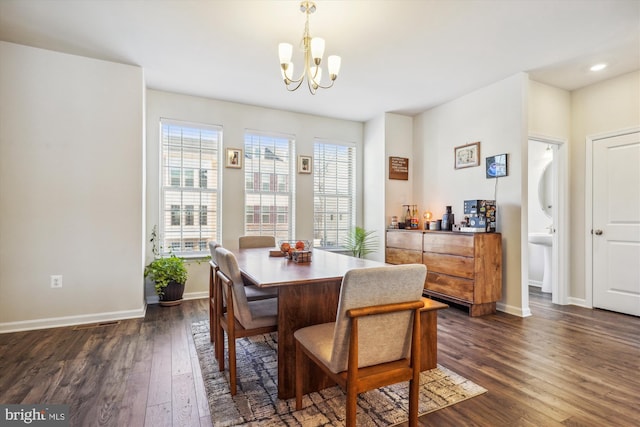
[360,242]
[169,274]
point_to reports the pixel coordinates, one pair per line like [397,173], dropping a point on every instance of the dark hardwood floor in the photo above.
[564,366]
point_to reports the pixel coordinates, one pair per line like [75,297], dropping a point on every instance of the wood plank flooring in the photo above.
[564,366]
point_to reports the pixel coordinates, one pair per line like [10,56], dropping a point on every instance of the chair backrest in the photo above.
[381,338]
[228,265]
[213,245]
[245,242]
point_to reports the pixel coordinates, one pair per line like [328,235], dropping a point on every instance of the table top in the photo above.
[265,271]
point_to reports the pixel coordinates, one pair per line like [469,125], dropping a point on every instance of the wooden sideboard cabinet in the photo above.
[464,268]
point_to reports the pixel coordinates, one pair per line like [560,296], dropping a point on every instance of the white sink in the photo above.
[540,239]
[544,240]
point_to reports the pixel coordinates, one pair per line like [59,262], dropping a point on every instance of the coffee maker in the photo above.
[482,216]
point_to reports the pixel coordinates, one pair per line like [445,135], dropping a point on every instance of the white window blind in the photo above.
[190,159]
[334,188]
[269,185]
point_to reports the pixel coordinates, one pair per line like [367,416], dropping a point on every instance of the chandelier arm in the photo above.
[297,86]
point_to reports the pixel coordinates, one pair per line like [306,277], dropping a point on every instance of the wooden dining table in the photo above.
[308,294]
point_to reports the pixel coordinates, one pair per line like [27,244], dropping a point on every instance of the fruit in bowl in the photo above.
[285,247]
[300,245]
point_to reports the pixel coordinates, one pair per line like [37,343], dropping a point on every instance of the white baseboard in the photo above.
[510,309]
[57,322]
[535,283]
[579,302]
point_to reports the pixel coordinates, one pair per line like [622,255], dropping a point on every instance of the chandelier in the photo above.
[313,50]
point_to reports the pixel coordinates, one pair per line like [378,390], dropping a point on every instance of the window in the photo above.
[203,215]
[188,215]
[188,178]
[203,178]
[334,189]
[269,185]
[189,152]
[175,214]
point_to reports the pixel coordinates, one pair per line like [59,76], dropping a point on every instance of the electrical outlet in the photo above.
[56,281]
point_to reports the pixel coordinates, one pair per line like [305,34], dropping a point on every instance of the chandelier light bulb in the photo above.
[285,51]
[317,49]
[333,64]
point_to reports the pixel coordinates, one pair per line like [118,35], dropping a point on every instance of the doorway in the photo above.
[547,216]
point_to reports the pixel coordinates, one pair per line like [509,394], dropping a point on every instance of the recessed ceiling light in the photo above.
[598,67]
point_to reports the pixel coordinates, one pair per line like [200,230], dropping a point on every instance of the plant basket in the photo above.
[172,294]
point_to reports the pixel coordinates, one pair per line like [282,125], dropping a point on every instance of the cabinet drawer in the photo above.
[448,285]
[453,265]
[455,244]
[403,256]
[405,240]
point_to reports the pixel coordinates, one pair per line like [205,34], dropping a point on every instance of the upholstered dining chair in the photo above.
[213,298]
[242,317]
[217,303]
[245,242]
[375,340]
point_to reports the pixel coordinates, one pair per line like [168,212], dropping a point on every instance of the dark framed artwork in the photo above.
[497,166]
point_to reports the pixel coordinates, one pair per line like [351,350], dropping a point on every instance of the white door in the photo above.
[616,223]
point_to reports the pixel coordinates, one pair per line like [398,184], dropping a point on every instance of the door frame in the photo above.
[588,205]
[560,247]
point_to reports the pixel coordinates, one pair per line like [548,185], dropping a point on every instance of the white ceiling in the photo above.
[397,56]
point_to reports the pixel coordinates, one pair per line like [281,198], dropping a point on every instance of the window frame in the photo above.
[256,183]
[213,175]
[318,167]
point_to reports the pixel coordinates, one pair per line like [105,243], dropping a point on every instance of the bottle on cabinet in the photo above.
[407,217]
[414,218]
[447,220]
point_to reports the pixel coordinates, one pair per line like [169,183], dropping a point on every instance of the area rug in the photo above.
[256,401]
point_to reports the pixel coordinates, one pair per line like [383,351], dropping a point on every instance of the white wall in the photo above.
[608,106]
[388,135]
[374,179]
[71,188]
[235,119]
[496,116]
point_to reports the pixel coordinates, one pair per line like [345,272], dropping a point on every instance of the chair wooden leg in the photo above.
[298,376]
[414,394]
[232,364]
[352,400]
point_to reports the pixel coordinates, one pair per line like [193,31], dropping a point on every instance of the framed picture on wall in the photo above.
[305,164]
[467,155]
[234,158]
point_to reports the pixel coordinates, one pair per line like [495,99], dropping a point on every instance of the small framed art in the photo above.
[467,155]
[497,166]
[304,164]
[234,158]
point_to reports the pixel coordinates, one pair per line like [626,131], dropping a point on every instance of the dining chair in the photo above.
[245,242]
[242,318]
[375,340]
[217,303]
[213,298]
[248,242]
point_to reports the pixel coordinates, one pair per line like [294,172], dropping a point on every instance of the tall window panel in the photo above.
[269,185]
[189,187]
[334,189]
